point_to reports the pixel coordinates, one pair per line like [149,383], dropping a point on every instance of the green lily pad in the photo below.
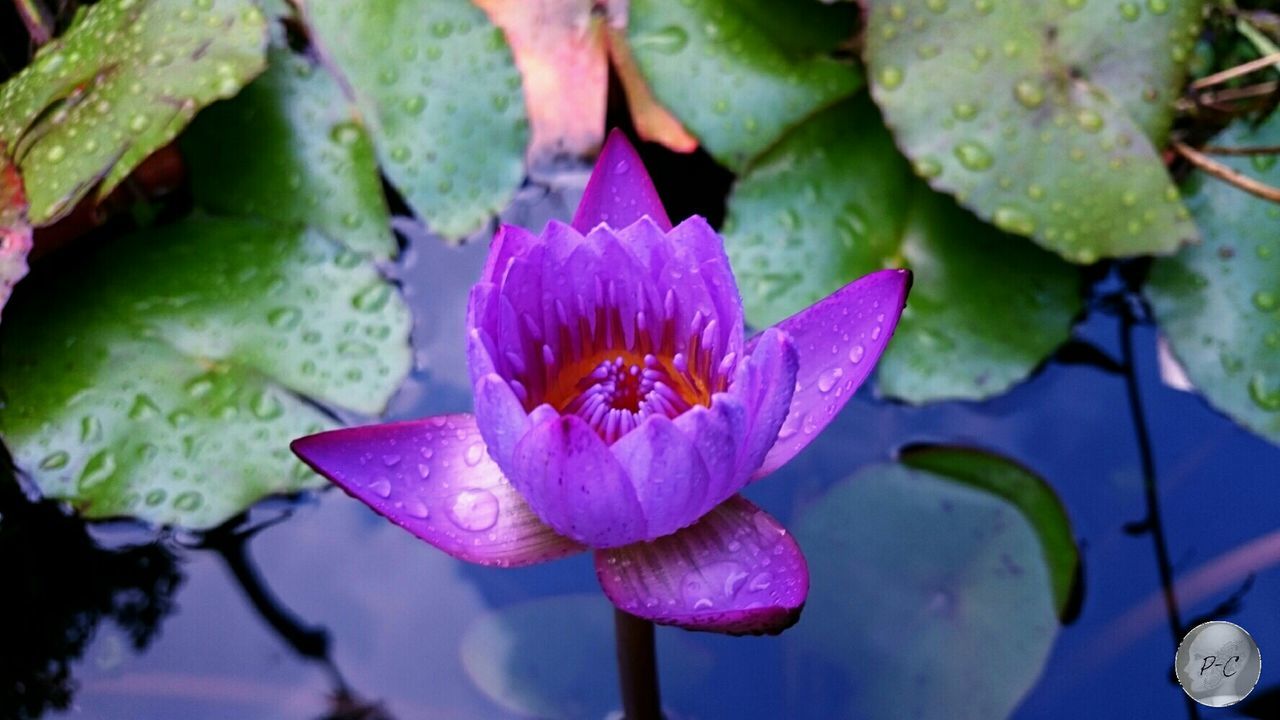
[1218,303]
[439,88]
[163,375]
[939,593]
[1027,491]
[301,157]
[728,72]
[553,658]
[834,200]
[15,231]
[1043,118]
[119,85]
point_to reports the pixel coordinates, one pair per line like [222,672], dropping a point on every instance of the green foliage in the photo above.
[834,201]
[1219,303]
[301,157]
[946,584]
[731,76]
[439,89]
[1043,118]
[163,376]
[119,85]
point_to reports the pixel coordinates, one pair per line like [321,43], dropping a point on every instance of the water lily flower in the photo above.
[619,408]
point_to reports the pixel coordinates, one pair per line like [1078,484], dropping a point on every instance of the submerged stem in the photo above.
[637,667]
[1154,523]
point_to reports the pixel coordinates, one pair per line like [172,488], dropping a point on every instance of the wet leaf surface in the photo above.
[722,68]
[117,86]
[1219,303]
[946,586]
[439,88]
[834,201]
[301,157]
[163,375]
[1043,118]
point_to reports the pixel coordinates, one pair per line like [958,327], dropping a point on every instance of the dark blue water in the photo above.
[397,613]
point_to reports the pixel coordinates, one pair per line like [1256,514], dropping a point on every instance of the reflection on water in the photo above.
[395,612]
[59,586]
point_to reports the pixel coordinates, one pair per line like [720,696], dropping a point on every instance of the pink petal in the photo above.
[573,482]
[560,49]
[839,340]
[653,122]
[434,478]
[736,571]
[619,191]
[15,231]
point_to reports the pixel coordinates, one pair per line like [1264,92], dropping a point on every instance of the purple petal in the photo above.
[718,432]
[509,242]
[434,478]
[573,482]
[668,474]
[839,340]
[736,571]
[501,418]
[765,384]
[619,191]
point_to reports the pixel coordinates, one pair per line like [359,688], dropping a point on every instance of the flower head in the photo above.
[619,407]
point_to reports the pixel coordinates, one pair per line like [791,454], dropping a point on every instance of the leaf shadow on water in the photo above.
[63,584]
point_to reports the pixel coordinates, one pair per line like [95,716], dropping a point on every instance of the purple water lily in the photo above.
[619,408]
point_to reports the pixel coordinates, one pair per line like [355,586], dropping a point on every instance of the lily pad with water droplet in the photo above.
[162,375]
[302,157]
[1219,303]
[553,658]
[117,86]
[1073,98]
[939,593]
[15,231]
[834,200]
[728,72]
[438,87]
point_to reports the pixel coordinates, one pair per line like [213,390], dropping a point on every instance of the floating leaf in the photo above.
[553,658]
[301,157]
[720,67]
[944,591]
[438,85]
[117,86]
[559,46]
[1219,303]
[15,232]
[163,376]
[1043,118]
[1027,491]
[833,201]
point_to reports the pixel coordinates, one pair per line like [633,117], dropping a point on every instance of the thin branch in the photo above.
[1235,72]
[37,19]
[1238,151]
[1146,456]
[1226,174]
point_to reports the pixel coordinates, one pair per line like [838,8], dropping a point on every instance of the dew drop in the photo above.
[973,155]
[55,460]
[1265,301]
[188,501]
[1028,93]
[1263,393]
[474,510]
[890,77]
[100,467]
[381,487]
[856,354]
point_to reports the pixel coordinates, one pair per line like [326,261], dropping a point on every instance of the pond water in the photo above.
[333,612]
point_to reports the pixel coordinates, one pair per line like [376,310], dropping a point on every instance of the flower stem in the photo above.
[637,667]
[1153,522]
